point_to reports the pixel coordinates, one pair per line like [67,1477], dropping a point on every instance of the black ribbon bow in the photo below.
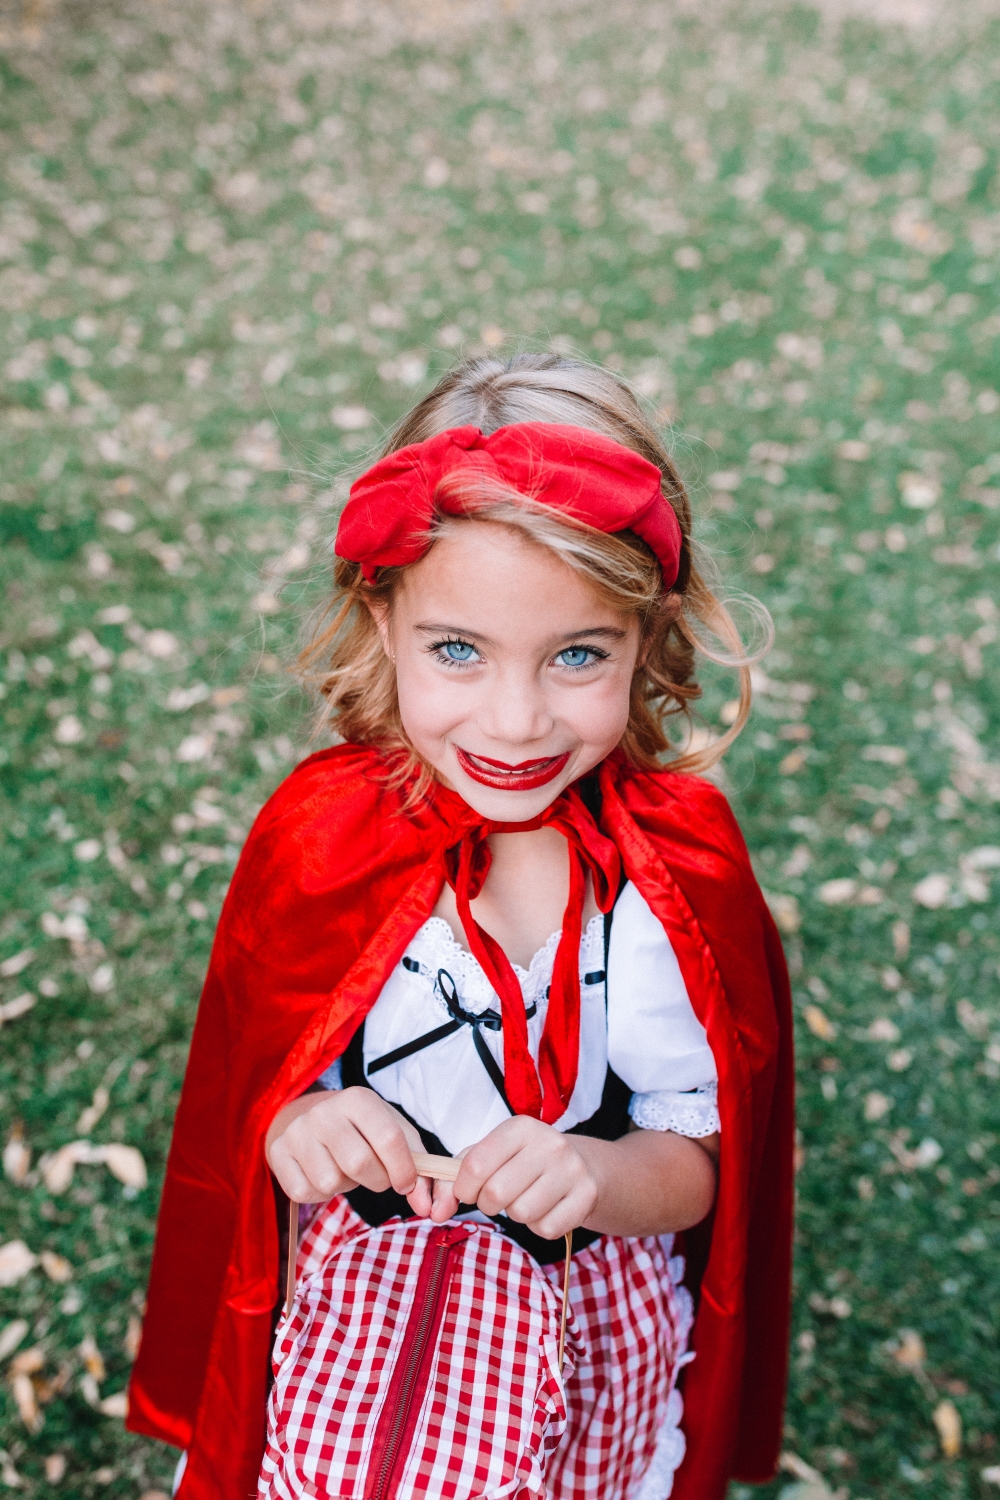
[490,1020]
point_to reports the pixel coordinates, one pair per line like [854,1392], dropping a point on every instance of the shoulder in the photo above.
[336,814]
[344,776]
[681,814]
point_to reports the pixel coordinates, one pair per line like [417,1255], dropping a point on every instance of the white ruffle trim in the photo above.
[434,947]
[694,1113]
[658,1481]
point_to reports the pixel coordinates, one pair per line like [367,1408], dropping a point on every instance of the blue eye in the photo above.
[456,650]
[575,656]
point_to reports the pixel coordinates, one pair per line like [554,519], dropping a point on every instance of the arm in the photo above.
[651,1181]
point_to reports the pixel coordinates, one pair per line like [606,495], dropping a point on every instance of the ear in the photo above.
[381,614]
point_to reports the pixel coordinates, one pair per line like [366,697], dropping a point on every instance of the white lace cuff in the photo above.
[695,1113]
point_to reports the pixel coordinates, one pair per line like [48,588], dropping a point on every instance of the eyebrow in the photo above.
[607,632]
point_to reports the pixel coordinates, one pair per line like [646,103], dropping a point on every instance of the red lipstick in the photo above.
[521,778]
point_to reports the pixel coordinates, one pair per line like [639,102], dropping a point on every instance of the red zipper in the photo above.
[396,1425]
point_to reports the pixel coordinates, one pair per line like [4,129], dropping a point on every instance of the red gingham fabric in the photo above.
[496,1420]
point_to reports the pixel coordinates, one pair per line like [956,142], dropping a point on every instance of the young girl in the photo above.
[495,922]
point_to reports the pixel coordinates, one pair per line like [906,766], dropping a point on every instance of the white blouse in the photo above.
[644,1027]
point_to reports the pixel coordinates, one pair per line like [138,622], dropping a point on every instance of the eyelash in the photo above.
[594,652]
[438,652]
[437,649]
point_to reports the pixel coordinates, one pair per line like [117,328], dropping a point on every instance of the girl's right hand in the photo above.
[328,1143]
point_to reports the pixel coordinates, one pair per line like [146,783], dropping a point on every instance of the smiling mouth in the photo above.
[521,778]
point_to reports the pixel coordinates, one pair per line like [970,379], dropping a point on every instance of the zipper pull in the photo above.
[450,1235]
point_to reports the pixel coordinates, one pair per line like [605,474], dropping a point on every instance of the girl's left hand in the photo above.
[527,1170]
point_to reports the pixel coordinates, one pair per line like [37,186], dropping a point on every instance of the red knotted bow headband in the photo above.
[588,477]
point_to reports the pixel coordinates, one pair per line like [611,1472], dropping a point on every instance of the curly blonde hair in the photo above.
[344,661]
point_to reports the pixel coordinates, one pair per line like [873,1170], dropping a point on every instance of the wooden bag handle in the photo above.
[441,1169]
[446,1169]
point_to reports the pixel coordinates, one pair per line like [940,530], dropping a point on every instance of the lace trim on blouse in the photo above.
[435,947]
[694,1113]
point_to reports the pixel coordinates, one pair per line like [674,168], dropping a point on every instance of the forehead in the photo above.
[484,571]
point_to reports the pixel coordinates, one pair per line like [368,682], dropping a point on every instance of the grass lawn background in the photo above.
[236,242]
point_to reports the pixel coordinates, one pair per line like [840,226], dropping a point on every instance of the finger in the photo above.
[421,1199]
[321,1168]
[445,1202]
[293,1181]
[383,1131]
[361,1113]
[356,1158]
[508,1184]
[481,1163]
[569,1213]
[539,1199]
[296,1185]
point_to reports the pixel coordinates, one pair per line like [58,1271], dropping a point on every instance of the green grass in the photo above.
[228,233]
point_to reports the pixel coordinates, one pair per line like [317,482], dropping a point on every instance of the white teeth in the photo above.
[535,765]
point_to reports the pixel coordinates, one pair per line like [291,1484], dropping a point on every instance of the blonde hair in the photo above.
[345,660]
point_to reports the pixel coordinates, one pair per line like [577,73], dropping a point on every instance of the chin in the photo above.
[507,807]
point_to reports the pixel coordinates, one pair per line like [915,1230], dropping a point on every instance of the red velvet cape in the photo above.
[334,881]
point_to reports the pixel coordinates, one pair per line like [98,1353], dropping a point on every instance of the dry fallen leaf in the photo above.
[27,1405]
[94,1111]
[933,891]
[838,892]
[56,1267]
[47,1390]
[16,1156]
[55,1467]
[91,1356]
[16,1260]
[125,1163]
[29,1361]
[19,1006]
[900,940]
[57,1170]
[14,965]
[791,1463]
[877,1105]
[949,1425]
[8,1473]
[819,1023]
[115,1406]
[785,911]
[911,1352]
[133,1336]
[90,1390]
[12,1335]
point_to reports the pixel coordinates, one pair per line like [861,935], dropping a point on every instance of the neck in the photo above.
[524,895]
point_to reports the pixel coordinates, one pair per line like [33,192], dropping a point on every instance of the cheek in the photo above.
[429,705]
[600,716]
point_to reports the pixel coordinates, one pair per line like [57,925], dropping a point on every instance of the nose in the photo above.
[514,709]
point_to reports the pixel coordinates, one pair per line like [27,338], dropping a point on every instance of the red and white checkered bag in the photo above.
[418,1360]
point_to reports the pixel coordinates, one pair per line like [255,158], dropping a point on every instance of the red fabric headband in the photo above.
[588,477]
